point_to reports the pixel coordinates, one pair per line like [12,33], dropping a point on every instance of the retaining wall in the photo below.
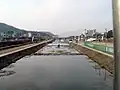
[8,58]
[103,59]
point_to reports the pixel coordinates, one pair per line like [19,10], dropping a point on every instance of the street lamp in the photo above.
[106,39]
[85,35]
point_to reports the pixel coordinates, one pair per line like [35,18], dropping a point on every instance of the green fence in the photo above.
[102,48]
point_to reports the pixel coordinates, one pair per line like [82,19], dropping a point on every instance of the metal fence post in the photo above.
[116,28]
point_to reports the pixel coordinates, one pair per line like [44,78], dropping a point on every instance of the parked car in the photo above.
[91,39]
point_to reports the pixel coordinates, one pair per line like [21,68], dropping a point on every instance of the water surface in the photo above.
[54,73]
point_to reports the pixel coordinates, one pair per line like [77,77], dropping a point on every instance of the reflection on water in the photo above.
[102,72]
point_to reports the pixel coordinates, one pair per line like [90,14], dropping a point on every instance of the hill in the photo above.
[4,28]
[72,33]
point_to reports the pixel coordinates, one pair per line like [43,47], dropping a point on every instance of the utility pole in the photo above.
[85,35]
[106,39]
[116,29]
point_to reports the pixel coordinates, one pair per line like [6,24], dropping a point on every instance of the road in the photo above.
[55,72]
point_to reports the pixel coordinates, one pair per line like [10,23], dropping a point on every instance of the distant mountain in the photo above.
[49,33]
[6,28]
[72,33]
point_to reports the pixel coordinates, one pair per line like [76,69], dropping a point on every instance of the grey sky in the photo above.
[57,16]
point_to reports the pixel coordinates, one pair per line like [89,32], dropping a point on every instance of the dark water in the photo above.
[54,73]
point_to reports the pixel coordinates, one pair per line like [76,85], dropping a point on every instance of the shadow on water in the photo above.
[8,66]
[7,62]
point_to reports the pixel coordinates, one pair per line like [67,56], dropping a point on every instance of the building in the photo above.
[89,33]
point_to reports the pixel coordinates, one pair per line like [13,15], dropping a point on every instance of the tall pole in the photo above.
[116,28]
[85,33]
[106,39]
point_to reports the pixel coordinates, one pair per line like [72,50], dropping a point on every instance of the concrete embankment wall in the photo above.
[11,57]
[104,60]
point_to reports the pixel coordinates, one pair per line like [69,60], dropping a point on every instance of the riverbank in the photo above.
[103,59]
[12,55]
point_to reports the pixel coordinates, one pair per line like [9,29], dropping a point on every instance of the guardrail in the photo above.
[102,48]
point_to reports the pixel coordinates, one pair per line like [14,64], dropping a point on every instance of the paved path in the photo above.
[16,49]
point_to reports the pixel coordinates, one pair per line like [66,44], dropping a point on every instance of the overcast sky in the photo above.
[57,16]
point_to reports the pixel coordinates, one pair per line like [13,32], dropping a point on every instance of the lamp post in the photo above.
[116,29]
[106,39]
[85,35]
